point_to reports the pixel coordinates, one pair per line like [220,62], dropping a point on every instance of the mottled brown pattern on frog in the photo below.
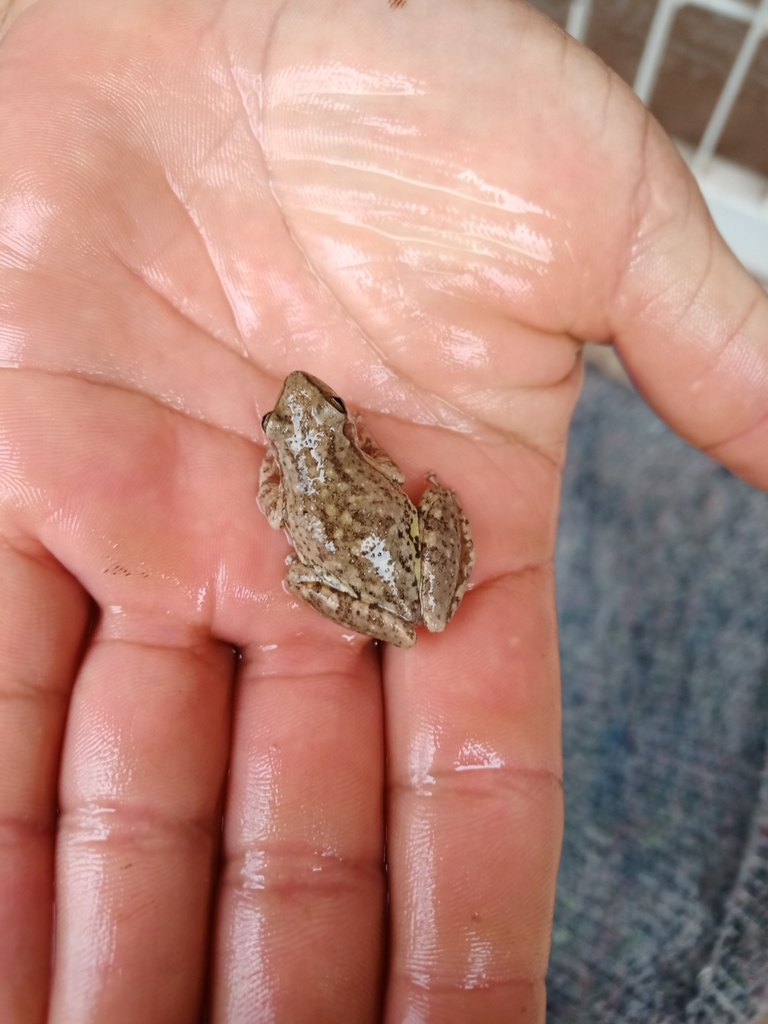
[359,539]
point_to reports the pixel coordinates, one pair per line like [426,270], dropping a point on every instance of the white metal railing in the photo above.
[737,197]
[578,18]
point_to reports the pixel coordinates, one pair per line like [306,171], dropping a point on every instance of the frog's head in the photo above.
[305,402]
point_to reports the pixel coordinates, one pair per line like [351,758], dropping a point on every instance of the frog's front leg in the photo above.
[271,498]
[347,610]
[358,433]
[447,556]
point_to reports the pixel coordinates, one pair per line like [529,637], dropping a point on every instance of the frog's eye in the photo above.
[337,402]
[265,421]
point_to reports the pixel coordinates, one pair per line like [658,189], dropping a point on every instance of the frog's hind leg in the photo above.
[348,610]
[447,556]
[467,563]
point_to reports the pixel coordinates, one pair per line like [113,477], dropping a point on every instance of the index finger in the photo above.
[43,624]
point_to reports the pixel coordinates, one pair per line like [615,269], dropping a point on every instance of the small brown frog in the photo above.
[366,557]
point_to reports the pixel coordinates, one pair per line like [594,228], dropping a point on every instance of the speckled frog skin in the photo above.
[366,557]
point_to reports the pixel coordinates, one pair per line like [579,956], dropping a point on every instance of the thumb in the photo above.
[689,322]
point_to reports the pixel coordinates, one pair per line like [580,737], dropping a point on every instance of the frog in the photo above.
[364,555]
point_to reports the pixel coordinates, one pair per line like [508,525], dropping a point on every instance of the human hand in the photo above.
[427,206]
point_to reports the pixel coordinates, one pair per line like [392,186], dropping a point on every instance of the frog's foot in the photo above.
[447,556]
[271,490]
[348,610]
[362,438]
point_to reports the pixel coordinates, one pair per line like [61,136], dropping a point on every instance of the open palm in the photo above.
[427,206]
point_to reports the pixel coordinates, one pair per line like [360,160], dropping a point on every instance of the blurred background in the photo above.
[662,573]
[702,68]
